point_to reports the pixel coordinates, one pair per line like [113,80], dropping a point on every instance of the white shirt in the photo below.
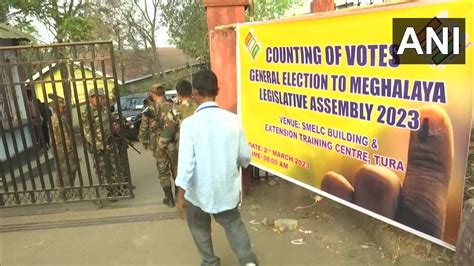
[212,148]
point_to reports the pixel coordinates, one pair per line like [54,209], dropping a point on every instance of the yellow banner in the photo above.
[326,103]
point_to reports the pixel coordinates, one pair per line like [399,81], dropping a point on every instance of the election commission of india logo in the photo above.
[252,44]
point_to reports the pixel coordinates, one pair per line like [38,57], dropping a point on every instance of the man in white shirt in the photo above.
[211,151]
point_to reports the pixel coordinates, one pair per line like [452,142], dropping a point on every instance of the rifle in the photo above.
[148,112]
[125,140]
[129,143]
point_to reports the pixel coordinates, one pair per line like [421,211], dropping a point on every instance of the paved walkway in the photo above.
[140,236]
[142,231]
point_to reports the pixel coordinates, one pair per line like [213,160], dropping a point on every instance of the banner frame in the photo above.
[332,14]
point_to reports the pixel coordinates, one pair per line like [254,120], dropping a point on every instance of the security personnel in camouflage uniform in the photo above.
[169,140]
[63,140]
[122,148]
[150,131]
[100,141]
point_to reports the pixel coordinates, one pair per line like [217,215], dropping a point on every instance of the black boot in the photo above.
[168,200]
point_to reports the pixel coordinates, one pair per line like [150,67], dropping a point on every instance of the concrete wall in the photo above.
[16,133]
[12,76]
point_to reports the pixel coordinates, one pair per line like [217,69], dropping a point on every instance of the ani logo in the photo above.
[430,40]
[252,44]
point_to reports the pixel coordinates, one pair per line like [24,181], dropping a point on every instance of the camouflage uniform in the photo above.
[122,146]
[66,155]
[101,142]
[151,129]
[169,140]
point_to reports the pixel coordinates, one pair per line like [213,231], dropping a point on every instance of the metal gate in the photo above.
[60,138]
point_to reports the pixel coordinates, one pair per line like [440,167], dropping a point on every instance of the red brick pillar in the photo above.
[222,45]
[223,55]
[318,6]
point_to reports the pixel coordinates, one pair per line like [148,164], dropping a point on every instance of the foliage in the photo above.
[132,24]
[66,20]
[187,24]
[4,9]
[270,9]
[187,27]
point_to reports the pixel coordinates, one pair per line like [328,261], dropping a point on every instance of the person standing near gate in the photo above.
[99,136]
[212,149]
[151,129]
[33,111]
[122,148]
[45,113]
[169,139]
[63,141]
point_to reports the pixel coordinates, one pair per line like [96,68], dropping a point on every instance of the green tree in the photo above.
[143,21]
[187,23]
[66,20]
[4,9]
[270,9]
[187,27]
[134,24]
[7,17]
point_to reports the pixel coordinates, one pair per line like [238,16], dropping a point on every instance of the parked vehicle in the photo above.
[132,106]
[170,95]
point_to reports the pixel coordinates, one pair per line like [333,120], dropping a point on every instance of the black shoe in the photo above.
[168,200]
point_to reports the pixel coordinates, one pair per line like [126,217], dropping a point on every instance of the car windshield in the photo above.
[131,104]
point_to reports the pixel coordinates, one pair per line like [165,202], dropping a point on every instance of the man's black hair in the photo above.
[205,82]
[184,88]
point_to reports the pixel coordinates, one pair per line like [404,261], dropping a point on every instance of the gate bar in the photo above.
[20,128]
[35,148]
[101,121]
[77,107]
[81,126]
[50,128]
[119,110]
[89,120]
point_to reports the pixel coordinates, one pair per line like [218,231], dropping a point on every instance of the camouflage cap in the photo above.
[157,89]
[100,92]
[60,100]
